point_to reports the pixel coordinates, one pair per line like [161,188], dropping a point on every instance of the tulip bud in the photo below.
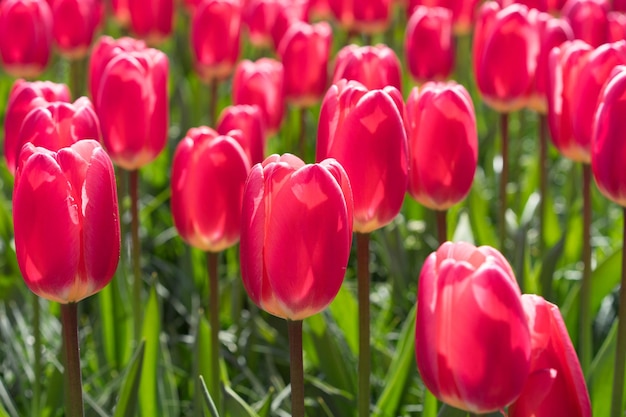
[151,19]
[25,36]
[215,35]
[24,97]
[249,121]
[364,131]
[295,275]
[588,19]
[555,385]
[463,12]
[429,44]
[208,176]
[67,232]
[443,144]
[469,306]
[375,67]
[75,22]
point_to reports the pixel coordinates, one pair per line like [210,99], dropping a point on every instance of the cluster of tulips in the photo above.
[481,346]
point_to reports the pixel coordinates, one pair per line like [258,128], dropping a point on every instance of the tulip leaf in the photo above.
[203,351]
[148,399]
[207,398]
[449,411]
[601,375]
[235,406]
[265,407]
[127,403]
[116,319]
[344,310]
[5,401]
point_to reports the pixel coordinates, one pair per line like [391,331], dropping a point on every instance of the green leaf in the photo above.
[601,375]
[265,407]
[203,351]
[5,399]
[127,402]
[344,310]
[207,398]
[116,323]
[151,329]
[235,406]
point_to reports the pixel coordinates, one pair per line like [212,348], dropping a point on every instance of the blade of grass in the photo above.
[149,403]
[207,397]
[127,403]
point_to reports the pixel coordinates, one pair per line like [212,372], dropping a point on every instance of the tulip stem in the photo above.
[302,138]
[546,285]
[71,354]
[585,288]
[214,320]
[363,289]
[442,225]
[504,178]
[37,348]
[620,349]
[77,69]
[296,367]
[213,103]
[135,252]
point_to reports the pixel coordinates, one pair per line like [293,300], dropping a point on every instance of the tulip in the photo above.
[375,67]
[261,83]
[617,26]
[443,144]
[469,306]
[75,22]
[67,232]
[249,121]
[208,176]
[555,385]
[25,37]
[429,43]
[366,16]
[320,10]
[463,12]
[24,97]
[120,12]
[292,12]
[151,19]
[304,52]
[295,275]
[541,5]
[619,5]
[259,17]
[588,19]
[215,34]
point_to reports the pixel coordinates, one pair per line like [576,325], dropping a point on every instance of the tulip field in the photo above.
[272,208]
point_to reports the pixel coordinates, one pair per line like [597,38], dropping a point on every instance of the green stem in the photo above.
[71,354]
[135,252]
[214,320]
[620,349]
[296,369]
[77,78]
[504,178]
[585,288]
[442,226]
[37,346]
[302,138]
[546,284]
[363,284]
[213,103]
[430,404]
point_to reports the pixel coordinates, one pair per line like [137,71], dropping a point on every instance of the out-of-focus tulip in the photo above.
[555,385]
[608,145]
[262,83]
[121,12]
[151,19]
[295,275]
[588,19]
[57,125]
[25,37]
[555,6]
[366,16]
[259,17]
[304,52]
[463,12]
[541,5]
[364,131]
[443,144]
[619,5]
[132,105]
[617,26]
[75,22]
[67,232]
[249,120]
[505,50]
[564,66]
[375,67]
[292,12]
[469,306]
[319,10]
[209,172]
[215,38]
[24,97]
[429,43]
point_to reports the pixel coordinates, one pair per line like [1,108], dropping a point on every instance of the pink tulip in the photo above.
[75,22]
[120,11]
[469,306]
[364,130]
[295,275]
[588,19]
[617,26]
[463,12]
[151,19]
[259,17]
[443,144]
[375,67]
[292,13]
[249,121]
[366,16]
[67,232]
[208,176]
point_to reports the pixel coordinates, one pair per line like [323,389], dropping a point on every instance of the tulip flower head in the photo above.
[469,306]
[249,121]
[296,235]
[366,16]
[151,19]
[375,67]
[588,19]
[75,23]
[65,213]
[463,12]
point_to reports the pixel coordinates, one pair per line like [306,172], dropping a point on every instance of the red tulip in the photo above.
[215,38]
[121,12]
[24,97]
[556,385]
[505,50]
[463,12]
[261,83]
[295,275]
[208,176]
[151,19]
[469,306]
[75,22]
[588,19]
[25,36]
[367,16]
[375,67]
[249,121]
[67,232]
[133,107]
[429,43]
[619,5]
[443,144]
[292,12]
[541,5]
[364,131]
[304,52]
[320,10]
[617,26]
[608,150]
[564,66]
[259,17]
